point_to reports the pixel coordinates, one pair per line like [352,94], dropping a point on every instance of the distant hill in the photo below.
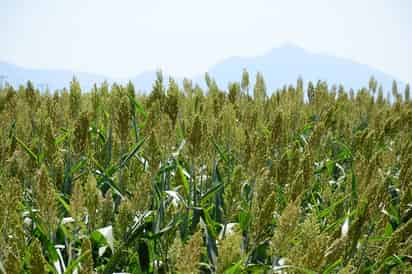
[283,65]
[280,66]
[54,79]
[58,79]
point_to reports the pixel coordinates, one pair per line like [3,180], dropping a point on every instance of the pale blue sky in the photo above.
[185,37]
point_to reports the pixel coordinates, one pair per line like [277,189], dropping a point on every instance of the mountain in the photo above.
[54,79]
[280,66]
[58,79]
[283,65]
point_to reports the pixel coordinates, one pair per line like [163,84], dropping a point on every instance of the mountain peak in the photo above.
[291,46]
[286,49]
[282,65]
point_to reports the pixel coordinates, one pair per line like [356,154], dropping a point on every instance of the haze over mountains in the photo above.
[280,66]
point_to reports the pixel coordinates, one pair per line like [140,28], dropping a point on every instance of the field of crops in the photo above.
[307,179]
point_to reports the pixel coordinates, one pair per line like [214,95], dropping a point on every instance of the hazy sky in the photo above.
[186,37]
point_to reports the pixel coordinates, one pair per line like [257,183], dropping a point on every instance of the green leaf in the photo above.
[234,269]
[244,220]
[99,133]
[131,153]
[332,267]
[104,236]
[388,230]
[354,188]
[113,186]
[210,237]
[61,138]
[327,211]
[210,223]
[44,239]
[78,166]
[134,263]
[210,193]
[174,223]
[75,263]
[257,268]
[62,202]
[138,107]
[27,149]
[220,151]
[181,178]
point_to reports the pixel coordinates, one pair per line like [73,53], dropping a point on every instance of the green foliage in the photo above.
[181,180]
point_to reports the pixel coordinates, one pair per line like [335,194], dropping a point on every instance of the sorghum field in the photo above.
[307,179]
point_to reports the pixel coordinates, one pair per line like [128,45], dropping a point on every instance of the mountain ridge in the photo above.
[280,66]
[284,65]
